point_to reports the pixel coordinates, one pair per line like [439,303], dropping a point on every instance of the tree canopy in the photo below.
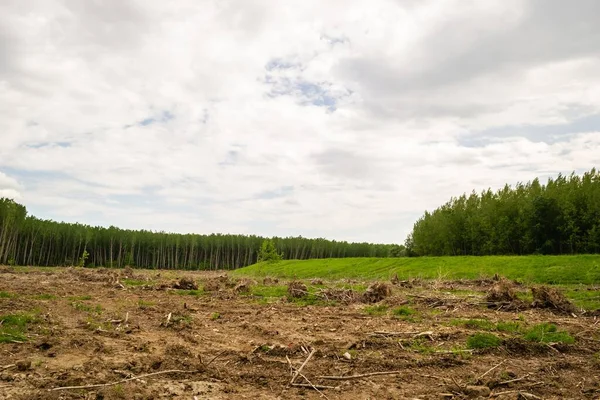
[560,217]
[27,240]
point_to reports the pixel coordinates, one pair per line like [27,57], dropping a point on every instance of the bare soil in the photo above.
[96,327]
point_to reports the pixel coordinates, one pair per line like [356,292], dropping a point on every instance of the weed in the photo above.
[508,327]
[143,304]
[548,333]
[133,282]
[5,295]
[13,327]
[214,316]
[86,307]
[483,341]
[376,310]
[481,324]
[80,298]
[403,311]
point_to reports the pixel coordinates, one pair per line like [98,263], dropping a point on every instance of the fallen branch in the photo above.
[350,377]
[513,380]
[171,371]
[8,366]
[302,366]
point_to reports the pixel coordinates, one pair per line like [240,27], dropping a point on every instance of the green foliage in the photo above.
[83,258]
[561,217]
[548,333]
[268,252]
[214,316]
[5,295]
[397,250]
[483,341]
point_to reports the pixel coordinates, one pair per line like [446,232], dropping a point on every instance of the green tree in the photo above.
[268,252]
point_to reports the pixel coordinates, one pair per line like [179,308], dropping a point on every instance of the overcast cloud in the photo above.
[342,119]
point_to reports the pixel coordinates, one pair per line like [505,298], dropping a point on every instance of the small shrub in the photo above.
[483,341]
[508,326]
[548,333]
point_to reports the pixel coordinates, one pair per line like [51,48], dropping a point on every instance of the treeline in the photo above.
[27,240]
[560,217]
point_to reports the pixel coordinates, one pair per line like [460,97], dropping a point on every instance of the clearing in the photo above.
[205,335]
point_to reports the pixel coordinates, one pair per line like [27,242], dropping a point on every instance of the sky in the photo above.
[342,119]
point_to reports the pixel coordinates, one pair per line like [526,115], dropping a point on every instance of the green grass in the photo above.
[80,298]
[133,282]
[86,307]
[586,299]
[13,327]
[275,291]
[483,341]
[6,295]
[548,333]
[144,304]
[580,269]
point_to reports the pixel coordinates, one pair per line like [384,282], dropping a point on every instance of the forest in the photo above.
[560,217]
[27,240]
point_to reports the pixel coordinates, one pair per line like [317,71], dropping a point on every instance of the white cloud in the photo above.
[336,119]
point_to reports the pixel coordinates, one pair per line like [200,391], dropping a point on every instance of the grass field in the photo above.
[566,270]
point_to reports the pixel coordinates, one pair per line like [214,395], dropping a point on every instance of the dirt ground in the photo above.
[101,326]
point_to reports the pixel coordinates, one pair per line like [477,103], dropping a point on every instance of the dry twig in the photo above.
[302,366]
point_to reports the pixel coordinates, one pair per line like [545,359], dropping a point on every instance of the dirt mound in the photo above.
[219,283]
[376,292]
[297,289]
[186,284]
[549,297]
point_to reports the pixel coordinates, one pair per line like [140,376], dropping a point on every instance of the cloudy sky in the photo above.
[342,119]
